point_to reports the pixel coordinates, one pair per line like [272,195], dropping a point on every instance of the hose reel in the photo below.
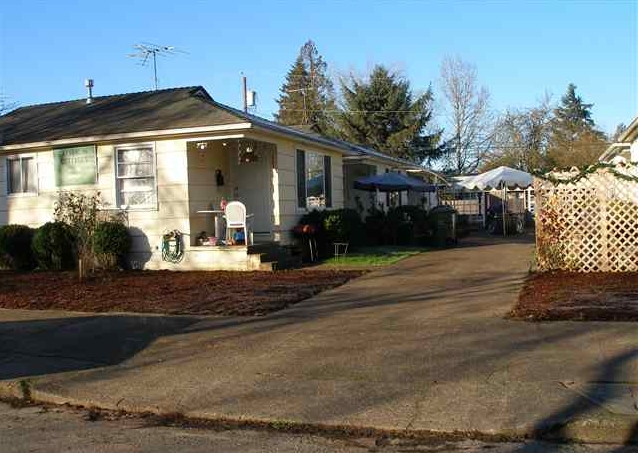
[173,246]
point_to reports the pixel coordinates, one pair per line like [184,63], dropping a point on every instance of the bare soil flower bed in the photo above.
[597,296]
[166,292]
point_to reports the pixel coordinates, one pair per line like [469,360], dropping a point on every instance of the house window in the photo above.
[314,180]
[135,175]
[21,175]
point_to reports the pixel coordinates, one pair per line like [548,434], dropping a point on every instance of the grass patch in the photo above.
[374,256]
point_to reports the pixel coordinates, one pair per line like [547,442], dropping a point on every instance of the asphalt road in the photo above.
[40,429]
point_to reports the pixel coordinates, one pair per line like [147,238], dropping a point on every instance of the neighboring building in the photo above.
[625,146]
[162,156]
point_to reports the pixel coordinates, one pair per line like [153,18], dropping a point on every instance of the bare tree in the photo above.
[521,138]
[468,118]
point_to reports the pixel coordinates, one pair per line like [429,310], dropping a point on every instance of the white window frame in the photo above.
[147,207]
[8,177]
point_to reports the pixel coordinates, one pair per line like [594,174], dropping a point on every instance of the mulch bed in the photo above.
[598,296]
[166,292]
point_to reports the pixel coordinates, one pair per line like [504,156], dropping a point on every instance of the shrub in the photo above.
[15,247]
[376,227]
[328,226]
[54,246]
[80,212]
[342,225]
[111,243]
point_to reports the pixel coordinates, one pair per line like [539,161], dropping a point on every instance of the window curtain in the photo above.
[301,178]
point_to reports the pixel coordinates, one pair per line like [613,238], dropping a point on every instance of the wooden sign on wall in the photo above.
[75,166]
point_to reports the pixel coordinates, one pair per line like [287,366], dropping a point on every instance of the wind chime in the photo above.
[247,151]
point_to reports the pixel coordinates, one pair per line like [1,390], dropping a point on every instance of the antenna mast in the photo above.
[147,51]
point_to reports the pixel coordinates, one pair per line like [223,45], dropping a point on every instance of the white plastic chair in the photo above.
[236,218]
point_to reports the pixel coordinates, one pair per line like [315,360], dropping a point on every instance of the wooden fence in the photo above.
[588,222]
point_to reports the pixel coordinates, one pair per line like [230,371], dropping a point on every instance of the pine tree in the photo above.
[575,140]
[307,96]
[383,114]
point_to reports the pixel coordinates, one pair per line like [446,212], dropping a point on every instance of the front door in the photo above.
[252,185]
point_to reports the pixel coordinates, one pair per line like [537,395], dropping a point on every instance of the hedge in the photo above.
[54,246]
[15,247]
[111,243]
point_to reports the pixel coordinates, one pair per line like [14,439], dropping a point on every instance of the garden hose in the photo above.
[172,246]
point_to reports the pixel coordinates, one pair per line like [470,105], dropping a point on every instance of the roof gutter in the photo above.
[303,138]
[611,151]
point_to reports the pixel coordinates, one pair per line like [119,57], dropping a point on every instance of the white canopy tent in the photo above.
[498,178]
[502,178]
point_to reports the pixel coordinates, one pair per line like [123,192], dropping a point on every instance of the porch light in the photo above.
[247,152]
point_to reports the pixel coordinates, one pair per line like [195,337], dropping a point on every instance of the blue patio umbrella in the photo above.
[392,182]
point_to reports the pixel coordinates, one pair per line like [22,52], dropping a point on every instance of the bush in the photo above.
[342,225]
[328,226]
[15,247]
[376,227]
[54,246]
[111,243]
[80,212]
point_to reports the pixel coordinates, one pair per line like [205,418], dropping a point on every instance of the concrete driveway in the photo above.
[421,345]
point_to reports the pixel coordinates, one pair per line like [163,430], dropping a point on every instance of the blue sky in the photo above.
[521,49]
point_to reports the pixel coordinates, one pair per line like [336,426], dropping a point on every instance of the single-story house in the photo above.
[625,146]
[163,157]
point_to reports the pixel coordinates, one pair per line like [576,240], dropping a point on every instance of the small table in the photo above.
[218,225]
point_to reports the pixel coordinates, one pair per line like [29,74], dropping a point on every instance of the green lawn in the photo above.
[374,256]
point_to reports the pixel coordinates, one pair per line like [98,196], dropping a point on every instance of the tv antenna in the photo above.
[146,52]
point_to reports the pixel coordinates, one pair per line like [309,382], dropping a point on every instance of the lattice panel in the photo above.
[590,225]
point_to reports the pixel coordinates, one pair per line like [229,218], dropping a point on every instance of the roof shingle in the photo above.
[173,108]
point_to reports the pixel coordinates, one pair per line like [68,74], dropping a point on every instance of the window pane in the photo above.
[137,192]
[136,177]
[315,192]
[133,170]
[15,180]
[135,155]
[29,181]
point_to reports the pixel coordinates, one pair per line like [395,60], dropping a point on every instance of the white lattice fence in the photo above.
[591,224]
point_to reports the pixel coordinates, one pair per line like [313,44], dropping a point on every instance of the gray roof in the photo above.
[173,108]
[122,113]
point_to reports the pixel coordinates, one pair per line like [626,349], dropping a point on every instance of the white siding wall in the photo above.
[285,180]
[4,215]
[146,225]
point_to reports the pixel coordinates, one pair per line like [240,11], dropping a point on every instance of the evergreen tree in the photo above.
[383,113]
[575,140]
[307,96]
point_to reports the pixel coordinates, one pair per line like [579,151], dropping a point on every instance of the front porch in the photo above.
[232,169]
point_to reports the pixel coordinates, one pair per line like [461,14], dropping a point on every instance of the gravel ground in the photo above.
[44,429]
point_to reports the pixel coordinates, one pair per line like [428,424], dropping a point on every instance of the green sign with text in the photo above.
[75,166]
